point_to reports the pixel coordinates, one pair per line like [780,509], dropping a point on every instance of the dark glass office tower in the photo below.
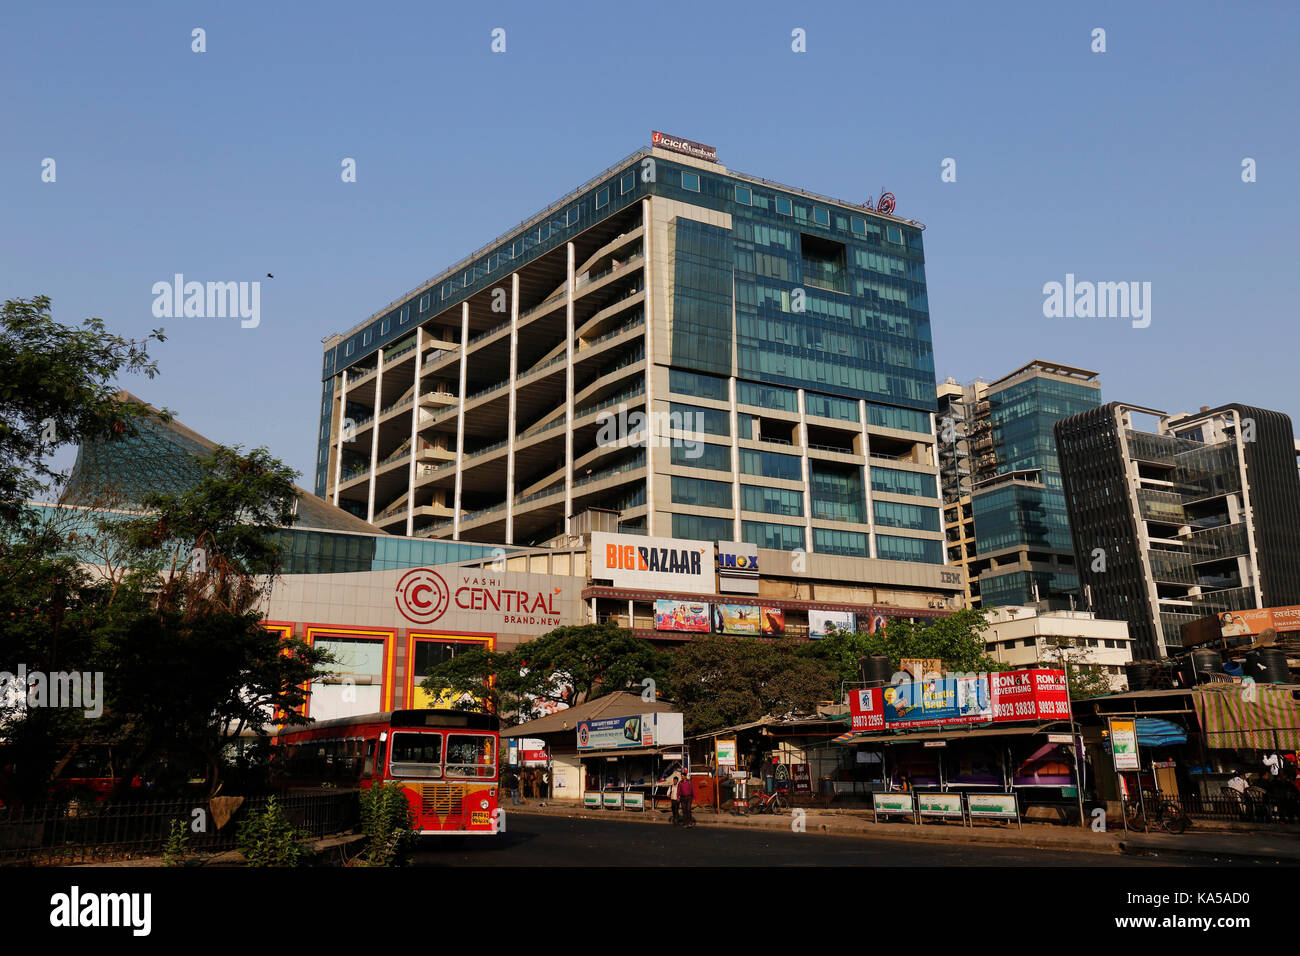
[1200,516]
[765,349]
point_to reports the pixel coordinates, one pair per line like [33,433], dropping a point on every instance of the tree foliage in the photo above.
[566,665]
[56,388]
[721,681]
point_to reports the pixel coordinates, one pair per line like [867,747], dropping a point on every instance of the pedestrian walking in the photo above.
[674,797]
[686,793]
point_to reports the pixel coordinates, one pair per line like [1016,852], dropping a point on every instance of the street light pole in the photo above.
[1076,745]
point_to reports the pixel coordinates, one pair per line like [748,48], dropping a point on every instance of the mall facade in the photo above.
[389,608]
[700,353]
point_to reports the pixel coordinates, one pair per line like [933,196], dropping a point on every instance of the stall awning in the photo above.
[876,737]
[626,752]
[1154,732]
[1261,717]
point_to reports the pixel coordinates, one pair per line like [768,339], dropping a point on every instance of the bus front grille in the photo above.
[442,799]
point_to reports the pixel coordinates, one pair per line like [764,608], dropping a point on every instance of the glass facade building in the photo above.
[709,354]
[1198,517]
[1006,514]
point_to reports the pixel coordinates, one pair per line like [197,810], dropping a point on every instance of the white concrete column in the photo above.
[342,432]
[648,275]
[866,478]
[460,418]
[510,433]
[415,434]
[807,475]
[568,388]
[735,457]
[374,436]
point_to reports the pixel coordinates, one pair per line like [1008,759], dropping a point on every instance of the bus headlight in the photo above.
[483,804]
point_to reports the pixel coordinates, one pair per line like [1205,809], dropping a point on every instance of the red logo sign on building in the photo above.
[422,595]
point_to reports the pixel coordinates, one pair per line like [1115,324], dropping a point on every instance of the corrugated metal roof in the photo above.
[618,704]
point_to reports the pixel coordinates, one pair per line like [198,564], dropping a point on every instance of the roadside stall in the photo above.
[625,759]
[978,734]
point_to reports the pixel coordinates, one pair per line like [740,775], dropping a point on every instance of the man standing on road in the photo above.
[674,796]
[685,793]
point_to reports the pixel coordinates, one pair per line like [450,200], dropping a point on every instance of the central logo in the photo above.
[422,595]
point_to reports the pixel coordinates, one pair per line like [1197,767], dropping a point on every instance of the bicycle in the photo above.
[775,802]
[1162,815]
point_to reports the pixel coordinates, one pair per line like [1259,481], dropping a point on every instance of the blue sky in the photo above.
[224,166]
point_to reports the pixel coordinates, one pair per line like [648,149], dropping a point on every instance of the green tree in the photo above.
[566,665]
[1085,678]
[56,389]
[720,681]
[956,639]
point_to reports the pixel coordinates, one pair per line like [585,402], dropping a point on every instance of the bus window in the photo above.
[470,755]
[368,766]
[416,755]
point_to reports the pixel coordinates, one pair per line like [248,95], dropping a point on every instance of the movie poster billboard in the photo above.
[773,621]
[821,623]
[743,619]
[871,623]
[689,616]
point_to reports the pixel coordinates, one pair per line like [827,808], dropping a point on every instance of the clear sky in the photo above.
[225,165]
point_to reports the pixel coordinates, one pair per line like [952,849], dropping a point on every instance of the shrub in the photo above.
[267,838]
[177,846]
[388,824]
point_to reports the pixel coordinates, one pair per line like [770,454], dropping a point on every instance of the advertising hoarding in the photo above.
[992,805]
[737,619]
[725,752]
[685,146]
[1038,694]
[737,567]
[1124,743]
[612,733]
[636,561]
[871,623]
[774,621]
[821,623]
[689,616]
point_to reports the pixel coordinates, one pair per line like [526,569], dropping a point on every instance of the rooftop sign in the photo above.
[684,146]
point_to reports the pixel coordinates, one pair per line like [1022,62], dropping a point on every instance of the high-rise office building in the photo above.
[1198,516]
[1005,513]
[779,341]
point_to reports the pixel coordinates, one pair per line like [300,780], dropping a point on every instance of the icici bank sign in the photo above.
[684,146]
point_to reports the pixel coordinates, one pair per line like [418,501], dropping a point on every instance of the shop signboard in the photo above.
[737,567]
[939,804]
[613,801]
[634,801]
[612,733]
[921,668]
[688,616]
[590,799]
[742,619]
[725,752]
[1124,744]
[801,774]
[821,623]
[865,710]
[512,752]
[774,621]
[1001,806]
[663,564]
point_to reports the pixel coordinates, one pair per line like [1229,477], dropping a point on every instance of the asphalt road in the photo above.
[562,841]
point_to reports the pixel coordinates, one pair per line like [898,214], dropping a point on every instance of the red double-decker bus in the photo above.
[445,760]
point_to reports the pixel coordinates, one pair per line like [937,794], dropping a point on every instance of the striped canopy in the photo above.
[1264,718]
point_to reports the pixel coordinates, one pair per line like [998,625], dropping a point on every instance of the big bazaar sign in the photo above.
[1038,694]
[635,561]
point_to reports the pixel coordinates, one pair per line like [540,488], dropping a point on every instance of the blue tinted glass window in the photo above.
[700,386]
[783,206]
[743,196]
[821,216]
[627,183]
[776,537]
[691,181]
[602,198]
